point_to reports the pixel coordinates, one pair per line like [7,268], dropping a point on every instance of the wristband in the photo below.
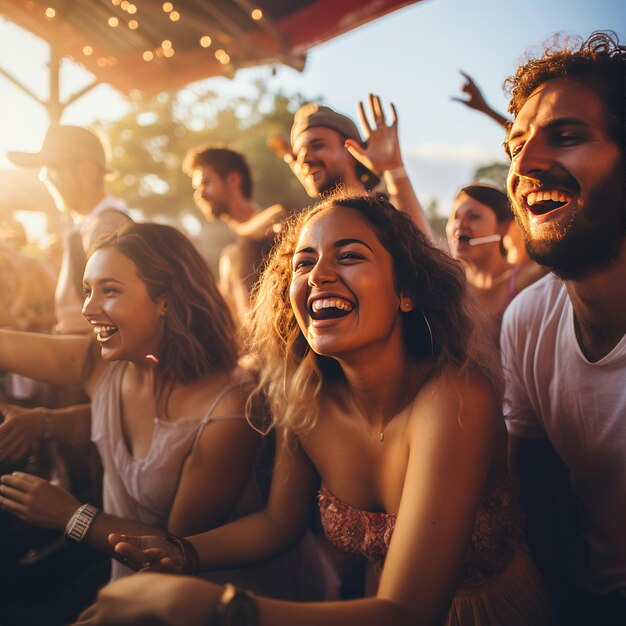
[397,173]
[190,555]
[80,522]
[236,607]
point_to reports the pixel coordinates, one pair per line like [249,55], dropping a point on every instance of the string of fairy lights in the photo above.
[166,49]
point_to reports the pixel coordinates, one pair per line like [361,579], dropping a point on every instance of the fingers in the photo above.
[22,481]
[358,152]
[378,115]
[377,110]
[394,114]
[136,558]
[11,500]
[365,125]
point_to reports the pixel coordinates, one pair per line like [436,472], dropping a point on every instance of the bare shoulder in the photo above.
[231,393]
[465,397]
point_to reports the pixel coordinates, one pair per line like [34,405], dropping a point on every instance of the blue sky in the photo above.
[411,57]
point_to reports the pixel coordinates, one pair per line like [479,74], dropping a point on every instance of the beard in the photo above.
[590,241]
[210,210]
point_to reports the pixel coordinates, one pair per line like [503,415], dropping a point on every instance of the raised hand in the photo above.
[476,101]
[36,501]
[382,151]
[150,552]
[280,145]
[21,427]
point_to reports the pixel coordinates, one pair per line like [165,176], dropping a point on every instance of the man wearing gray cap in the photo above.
[73,166]
[327,152]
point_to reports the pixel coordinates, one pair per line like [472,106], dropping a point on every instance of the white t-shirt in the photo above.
[553,391]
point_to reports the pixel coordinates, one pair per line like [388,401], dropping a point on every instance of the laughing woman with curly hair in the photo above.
[386,404]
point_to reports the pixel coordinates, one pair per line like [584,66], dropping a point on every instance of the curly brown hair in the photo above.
[598,62]
[200,336]
[292,375]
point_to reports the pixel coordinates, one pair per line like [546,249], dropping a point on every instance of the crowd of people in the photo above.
[349,424]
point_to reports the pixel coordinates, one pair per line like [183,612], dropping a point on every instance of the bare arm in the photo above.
[435,520]
[49,358]
[22,426]
[38,502]
[213,478]
[383,155]
[477,102]
[250,539]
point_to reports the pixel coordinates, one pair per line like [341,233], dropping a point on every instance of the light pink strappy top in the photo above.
[143,489]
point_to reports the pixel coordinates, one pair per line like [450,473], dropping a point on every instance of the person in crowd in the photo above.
[168,400]
[475,231]
[223,187]
[27,299]
[74,165]
[386,404]
[513,239]
[326,152]
[564,339]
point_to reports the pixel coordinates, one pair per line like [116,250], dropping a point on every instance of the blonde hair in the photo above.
[446,325]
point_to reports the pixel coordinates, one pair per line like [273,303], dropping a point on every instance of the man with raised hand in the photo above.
[564,338]
[326,152]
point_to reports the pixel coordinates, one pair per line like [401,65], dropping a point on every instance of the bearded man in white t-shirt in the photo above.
[564,338]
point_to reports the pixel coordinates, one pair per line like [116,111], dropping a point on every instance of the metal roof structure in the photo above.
[146,46]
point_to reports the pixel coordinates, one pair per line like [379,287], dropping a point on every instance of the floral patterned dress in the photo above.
[499,586]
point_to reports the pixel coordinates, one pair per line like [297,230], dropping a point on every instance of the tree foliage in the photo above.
[496,172]
[151,140]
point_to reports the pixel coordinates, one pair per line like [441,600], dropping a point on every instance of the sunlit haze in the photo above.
[411,57]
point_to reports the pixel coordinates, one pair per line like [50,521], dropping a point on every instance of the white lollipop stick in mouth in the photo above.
[477,241]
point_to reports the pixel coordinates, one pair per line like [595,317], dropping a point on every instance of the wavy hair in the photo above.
[292,375]
[199,335]
[598,62]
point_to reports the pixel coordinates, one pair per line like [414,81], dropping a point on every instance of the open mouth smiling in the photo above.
[104,331]
[329,308]
[545,201]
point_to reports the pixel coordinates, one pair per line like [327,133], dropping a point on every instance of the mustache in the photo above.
[545,180]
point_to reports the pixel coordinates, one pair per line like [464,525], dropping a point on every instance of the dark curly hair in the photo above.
[200,336]
[598,62]
[292,375]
